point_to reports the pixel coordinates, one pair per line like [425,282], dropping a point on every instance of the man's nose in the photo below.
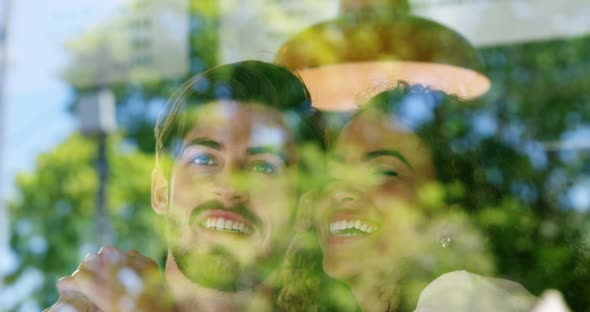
[230,192]
[230,196]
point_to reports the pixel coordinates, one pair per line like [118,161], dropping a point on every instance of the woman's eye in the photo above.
[263,167]
[388,173]
[203,160]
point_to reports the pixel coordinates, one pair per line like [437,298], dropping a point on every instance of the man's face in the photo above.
[232,195]
[365,215]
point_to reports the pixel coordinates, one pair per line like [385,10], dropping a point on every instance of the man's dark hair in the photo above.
[247,82]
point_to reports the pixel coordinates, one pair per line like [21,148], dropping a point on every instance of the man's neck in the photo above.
[192,297]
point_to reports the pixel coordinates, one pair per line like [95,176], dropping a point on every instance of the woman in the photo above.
[389,221]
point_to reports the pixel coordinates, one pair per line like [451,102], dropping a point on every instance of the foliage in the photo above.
[54,217]
[514,187]
[537,232]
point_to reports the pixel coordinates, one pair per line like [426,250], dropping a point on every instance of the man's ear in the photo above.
[159,191]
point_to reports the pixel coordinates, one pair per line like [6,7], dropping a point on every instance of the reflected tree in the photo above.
[54,216]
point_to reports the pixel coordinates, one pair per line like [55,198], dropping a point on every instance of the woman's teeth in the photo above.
[221,224]
[351,228]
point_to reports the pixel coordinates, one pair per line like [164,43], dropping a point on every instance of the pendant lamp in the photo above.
[370,48]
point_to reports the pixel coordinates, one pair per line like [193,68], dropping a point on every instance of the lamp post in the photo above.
[134,46]
[374,44]
[96,113]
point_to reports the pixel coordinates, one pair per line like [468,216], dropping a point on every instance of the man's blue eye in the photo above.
[263,167]
[203,160]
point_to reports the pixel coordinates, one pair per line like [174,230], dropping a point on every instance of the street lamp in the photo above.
[96,113]
[374,45]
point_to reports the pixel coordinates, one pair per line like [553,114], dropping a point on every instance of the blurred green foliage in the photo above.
[54,216]
[513,189]
[537,234]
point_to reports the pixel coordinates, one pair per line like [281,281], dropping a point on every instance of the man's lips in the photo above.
[225,221]
[213,216]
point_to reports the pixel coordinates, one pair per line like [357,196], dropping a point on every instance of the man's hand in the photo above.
[70,301]
[113,280]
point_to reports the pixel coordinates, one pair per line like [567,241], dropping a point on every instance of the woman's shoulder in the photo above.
[464,291]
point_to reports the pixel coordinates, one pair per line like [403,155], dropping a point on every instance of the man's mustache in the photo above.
[215,204]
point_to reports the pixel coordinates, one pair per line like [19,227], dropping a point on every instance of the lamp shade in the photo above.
[356,55]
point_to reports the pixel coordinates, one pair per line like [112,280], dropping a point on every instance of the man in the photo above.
[225,180]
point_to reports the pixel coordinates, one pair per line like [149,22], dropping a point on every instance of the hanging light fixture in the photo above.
[371,48]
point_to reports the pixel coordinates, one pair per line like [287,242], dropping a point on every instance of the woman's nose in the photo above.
[346,196]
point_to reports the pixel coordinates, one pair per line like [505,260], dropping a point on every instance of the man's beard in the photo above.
[217,268]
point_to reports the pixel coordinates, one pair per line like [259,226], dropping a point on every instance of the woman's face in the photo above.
[366,216]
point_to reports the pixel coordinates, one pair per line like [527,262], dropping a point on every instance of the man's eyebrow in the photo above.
[205,142]
[388,152]
[256,150]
